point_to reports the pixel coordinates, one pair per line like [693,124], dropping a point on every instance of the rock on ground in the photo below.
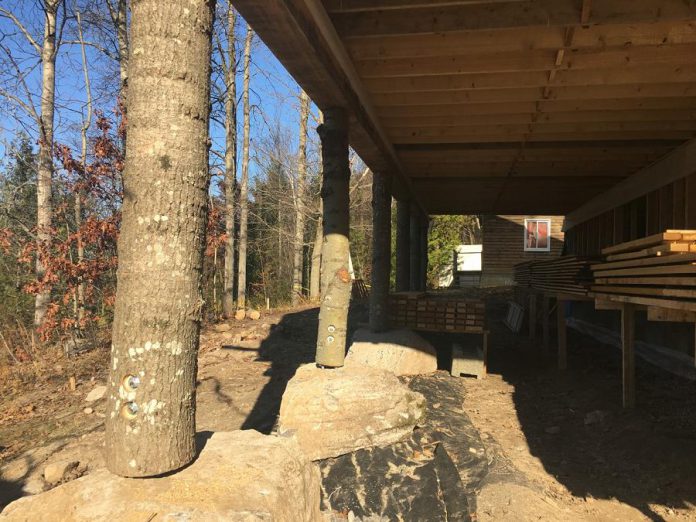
[238,476]
[334,412]
[96,393]
[402,352]
[413,480]
[56,471]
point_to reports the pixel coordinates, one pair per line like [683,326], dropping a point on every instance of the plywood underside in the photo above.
[516,106]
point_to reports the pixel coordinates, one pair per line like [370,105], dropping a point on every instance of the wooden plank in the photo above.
[666,281]
[646,291]
[520,40]
[652,261]
[532,316]
[562,335]
[439,17]
[623,57]
[628,369]
[667,315]
[646,301]
[650,241]
[545,310]
[653,270]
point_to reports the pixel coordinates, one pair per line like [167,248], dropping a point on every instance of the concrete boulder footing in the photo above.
[336,411]
[238,476]
[402,352]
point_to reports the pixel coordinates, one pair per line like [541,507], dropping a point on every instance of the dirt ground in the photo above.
[559,445]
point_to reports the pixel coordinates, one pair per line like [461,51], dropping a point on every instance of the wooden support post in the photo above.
[424,254]
[381,253]
[545,309]
[335,252]
[562,335]
[415,248]
[628,333]
[403,250]
[532,316]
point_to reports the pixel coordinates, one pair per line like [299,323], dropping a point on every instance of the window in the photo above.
[537,234]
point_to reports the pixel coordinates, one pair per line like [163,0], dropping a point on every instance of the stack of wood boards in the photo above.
[658,270]
[421,311]
[523,273]
[567,275]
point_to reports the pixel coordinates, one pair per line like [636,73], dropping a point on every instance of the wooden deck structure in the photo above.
[562,107]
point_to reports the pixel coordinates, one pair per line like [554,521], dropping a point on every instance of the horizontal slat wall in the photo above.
[503,245]
[672,206]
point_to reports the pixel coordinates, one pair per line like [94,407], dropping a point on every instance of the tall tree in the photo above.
[150,427]
[298,258]
[44,214]
[244,182]
[230,71]
[118,11]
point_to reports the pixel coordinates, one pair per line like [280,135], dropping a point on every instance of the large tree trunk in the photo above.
[150,422]
[44,208]
[381,252]
[118,10]
[403,240]
[335,299]
[415,245]
[79,315]
[315,271]
[298,258]
[230,162]
[244,184]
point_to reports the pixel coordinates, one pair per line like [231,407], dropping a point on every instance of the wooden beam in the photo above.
[545,311]
[657,73]
[437,18]
[678,164]
[532,315]
[521,40]
[562,335]
[537,60]
[633,94]
[628,369]
[446,108]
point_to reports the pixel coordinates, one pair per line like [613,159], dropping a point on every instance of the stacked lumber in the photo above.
[658,270]
[523,273]
[567,275]
[432,313]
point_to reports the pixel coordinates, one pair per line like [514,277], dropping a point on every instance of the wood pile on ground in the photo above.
[659,270]
[566,275]
[433,313]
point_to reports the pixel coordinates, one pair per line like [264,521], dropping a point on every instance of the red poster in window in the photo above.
[536,235]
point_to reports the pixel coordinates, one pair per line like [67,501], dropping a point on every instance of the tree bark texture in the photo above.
[414,248]
[244,183]
[150,419]
[298,258]
[425,222]
[315,270]
[44,200]
[381,253]
[403,248]
[333,314]
[230,163]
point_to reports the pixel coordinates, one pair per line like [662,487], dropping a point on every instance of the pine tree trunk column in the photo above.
[424,253]
[151,411]
[403,239]
[415,248]
[381,253]
[335,299]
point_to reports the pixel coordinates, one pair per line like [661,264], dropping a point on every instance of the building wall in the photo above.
[503,246]
[672,206]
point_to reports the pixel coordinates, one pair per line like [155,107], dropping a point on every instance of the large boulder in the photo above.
[334,412]
[238,476]
[402,352]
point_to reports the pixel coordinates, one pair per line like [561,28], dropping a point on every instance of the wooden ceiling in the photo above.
[504,106]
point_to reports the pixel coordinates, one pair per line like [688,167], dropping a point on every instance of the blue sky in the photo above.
[273,93]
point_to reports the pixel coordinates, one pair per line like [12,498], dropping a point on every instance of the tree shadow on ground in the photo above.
[290,344]
[574,422]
